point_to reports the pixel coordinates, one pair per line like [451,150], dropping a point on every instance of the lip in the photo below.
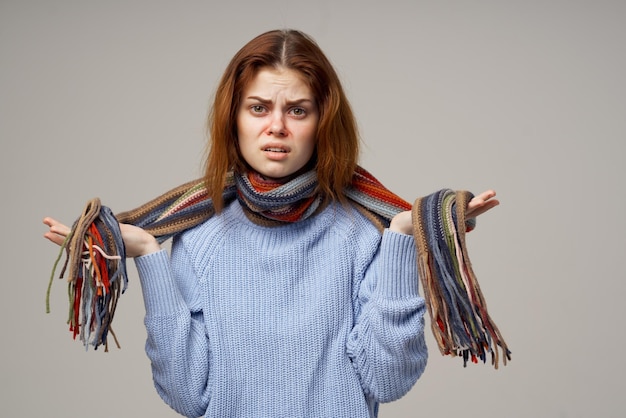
[275,148]
[275,151]
[275,155]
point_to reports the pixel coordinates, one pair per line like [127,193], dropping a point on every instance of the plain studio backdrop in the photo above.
[109,99]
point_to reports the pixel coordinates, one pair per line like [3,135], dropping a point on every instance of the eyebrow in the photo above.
[289,102]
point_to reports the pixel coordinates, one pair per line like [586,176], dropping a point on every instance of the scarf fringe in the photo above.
[96,266]
[96,261]
[460,322]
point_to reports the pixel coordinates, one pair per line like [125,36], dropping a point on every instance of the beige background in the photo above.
[109,99]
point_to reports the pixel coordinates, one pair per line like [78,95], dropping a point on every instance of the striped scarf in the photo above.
[96,268]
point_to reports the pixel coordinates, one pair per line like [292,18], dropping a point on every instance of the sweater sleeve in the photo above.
[387,344]
[177,344]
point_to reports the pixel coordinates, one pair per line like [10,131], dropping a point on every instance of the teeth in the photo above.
[275,149]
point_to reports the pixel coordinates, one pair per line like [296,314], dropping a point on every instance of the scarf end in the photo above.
[97,275]
[460,322]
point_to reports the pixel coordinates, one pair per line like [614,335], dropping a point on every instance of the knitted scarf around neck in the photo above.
[96,269]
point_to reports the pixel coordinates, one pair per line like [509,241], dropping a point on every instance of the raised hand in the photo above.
[56,232]
[136,241]
[480,204]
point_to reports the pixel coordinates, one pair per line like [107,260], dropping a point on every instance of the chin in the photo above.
[282,173]
[279,175]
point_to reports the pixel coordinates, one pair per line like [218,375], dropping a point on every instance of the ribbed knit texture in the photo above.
[320,318]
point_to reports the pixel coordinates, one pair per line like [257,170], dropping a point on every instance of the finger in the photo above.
[481,203]
[56,226]
[480,200]
[484,207]
[50,221]
[56,239]
[60,229]
[482,197]
[57,232]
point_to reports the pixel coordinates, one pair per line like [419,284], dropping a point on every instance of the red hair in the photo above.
[337,144]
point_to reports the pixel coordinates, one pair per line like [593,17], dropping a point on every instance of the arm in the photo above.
[387,344]
[177,345]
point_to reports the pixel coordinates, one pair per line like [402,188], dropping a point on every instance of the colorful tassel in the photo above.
[458,312]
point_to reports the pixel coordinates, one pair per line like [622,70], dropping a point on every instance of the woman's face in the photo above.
[277,123]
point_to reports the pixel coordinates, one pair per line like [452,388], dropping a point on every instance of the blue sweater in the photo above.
[320,318]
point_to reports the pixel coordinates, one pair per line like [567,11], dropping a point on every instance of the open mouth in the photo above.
[275,150]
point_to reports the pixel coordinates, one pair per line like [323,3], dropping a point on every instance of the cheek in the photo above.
[251,126]
[310,144]
[311,136]
[241,125]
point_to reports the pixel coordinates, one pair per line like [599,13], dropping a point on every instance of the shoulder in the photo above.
[209,232]
[357,228]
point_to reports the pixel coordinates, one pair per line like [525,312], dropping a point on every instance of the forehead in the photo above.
[276,80]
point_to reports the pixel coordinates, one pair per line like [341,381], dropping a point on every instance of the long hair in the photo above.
[337,143]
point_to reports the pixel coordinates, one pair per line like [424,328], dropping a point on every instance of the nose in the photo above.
[277,125]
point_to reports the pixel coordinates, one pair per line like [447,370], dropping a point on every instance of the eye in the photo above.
[298,112]
[257,109]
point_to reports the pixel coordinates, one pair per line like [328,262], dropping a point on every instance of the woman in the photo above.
[302,310]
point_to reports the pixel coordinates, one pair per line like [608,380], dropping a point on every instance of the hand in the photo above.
[136,241]
[402,223]
[480,204]
[56,232]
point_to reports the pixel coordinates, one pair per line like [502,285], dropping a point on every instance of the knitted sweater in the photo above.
[319,318]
